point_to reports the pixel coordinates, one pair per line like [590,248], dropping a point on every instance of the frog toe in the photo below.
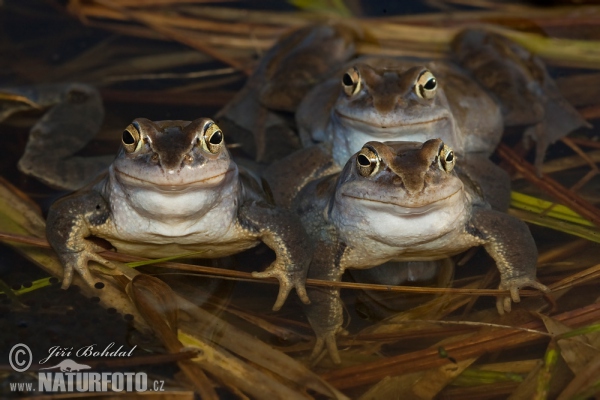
[327,340]
[504,303]
[301,291]
[67,277]
[287,281]
[79,262]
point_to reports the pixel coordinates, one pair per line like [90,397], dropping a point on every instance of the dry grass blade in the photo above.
[157,303]
[236,373]
[591,234]
[224,273]
[543,383]
[562,251]
[204,324]
[215,98]
[550,186]
[577,351]
[577,278]
[175,34]
[475,345]
[586,379]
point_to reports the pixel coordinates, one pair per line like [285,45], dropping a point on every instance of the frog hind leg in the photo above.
[325,312]
[66,128]
[519,80]
[508,241]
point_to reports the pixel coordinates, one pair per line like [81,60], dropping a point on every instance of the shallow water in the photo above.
[41,43]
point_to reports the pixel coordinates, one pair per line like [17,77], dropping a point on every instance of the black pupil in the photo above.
[430,84]
[364,160]
[216,138]
[450,157]
[128,138]
[347,80]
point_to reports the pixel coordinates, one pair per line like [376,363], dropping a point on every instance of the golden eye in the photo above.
[131,138]
[367,162]
[446,158]
[426,85]
[213,138]
[351,82]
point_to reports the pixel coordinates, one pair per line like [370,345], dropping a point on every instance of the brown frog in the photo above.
[492,83]
[173,189]
[404,201]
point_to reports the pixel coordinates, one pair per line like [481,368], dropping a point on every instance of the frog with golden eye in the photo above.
[173,189]
[403,201]
[491,83]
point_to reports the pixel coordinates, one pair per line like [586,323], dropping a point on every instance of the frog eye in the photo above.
[426,85]
[367,162]
[131,138]
[213,138]
[351,82]
[446,158]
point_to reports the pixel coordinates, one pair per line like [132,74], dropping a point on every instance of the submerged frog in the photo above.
[172,189]
[404,201]
[73,117]
[259,117]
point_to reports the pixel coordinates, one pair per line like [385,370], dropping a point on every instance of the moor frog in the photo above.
[404,201]
[172,189]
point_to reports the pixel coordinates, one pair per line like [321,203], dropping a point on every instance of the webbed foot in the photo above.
[504,303]
[287,281]
[78,261]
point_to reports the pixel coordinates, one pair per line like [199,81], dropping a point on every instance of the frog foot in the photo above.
[287,281]
[503,303]
[78,261]
[326,339]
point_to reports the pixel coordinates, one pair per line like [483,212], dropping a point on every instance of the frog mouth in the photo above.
[407,210]
[171,187]
[391,127]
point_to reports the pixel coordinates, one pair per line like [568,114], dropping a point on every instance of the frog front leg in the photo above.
[70,222]
[283,233]
[508,241]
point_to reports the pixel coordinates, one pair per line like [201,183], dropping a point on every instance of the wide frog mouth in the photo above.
[169,186]
[391,127]
[406,208]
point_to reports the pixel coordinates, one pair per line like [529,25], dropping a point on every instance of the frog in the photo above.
[388,99]
[486,83]
[404,201]
[172,189]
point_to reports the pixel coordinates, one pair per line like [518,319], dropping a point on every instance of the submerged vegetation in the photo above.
[181,58]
